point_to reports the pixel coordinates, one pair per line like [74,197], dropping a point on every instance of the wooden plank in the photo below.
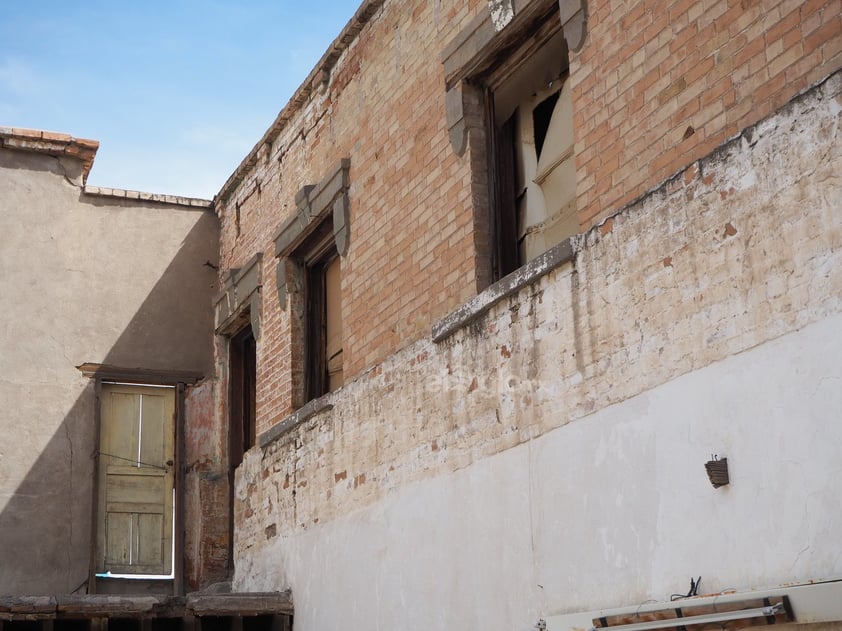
[172,607]
[99,624]
[239,604]
[101,605]
[139,375]
[28,604]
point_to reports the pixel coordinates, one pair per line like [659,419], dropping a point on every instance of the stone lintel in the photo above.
[474,50]
[317,202]
[235,304]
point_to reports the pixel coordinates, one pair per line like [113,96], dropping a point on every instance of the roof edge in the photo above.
[51,143]
[318,75]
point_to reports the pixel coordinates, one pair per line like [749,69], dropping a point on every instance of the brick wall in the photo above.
[741,248]
[206,489]
[655,88]
[659,85]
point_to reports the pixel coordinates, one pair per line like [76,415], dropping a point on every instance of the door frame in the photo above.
[179,380]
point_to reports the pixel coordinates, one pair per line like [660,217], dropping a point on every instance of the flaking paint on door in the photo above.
[134,534]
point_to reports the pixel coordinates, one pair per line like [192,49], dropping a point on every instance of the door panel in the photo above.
[135,480]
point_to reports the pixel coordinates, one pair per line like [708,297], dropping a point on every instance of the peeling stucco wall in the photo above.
[84,277]
[206,488]
[549,456]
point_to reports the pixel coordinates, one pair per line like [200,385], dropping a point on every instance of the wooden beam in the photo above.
[107,605]
[245,604]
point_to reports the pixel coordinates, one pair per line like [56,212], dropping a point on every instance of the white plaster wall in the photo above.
[609,510]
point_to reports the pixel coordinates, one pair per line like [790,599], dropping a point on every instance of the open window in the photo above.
[509,98]
[237,315]
[532,169]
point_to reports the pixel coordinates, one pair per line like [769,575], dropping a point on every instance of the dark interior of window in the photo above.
[541,116]
[243,377]
[504,198]
[242,374]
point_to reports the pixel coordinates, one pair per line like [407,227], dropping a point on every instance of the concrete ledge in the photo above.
[556,256]
[306,411]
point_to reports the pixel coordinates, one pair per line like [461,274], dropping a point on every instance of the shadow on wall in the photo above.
[45,527]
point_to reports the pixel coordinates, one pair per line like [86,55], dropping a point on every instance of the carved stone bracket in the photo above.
[457,128]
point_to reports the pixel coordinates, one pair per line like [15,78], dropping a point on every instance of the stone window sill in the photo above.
[506,286]
[306,411]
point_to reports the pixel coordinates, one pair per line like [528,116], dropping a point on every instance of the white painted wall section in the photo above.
[612,509]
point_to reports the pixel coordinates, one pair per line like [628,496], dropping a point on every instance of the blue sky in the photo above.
[177,92]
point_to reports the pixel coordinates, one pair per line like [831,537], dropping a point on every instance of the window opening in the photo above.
[314,240]
[323,327]
[242,400]
[242,354]
[529,128]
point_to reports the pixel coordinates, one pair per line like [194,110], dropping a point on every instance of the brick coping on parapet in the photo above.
[159,198]
[51,143]
[319,76]
[58,145]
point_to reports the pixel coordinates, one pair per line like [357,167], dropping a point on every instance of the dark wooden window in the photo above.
[242,355]
[242,397]
[504,257]
[323,325]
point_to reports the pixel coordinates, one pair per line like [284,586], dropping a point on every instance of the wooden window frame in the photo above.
[479,62]
[510,80]
[315,256]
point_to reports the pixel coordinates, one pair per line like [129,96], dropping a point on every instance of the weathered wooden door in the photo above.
[135,480]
